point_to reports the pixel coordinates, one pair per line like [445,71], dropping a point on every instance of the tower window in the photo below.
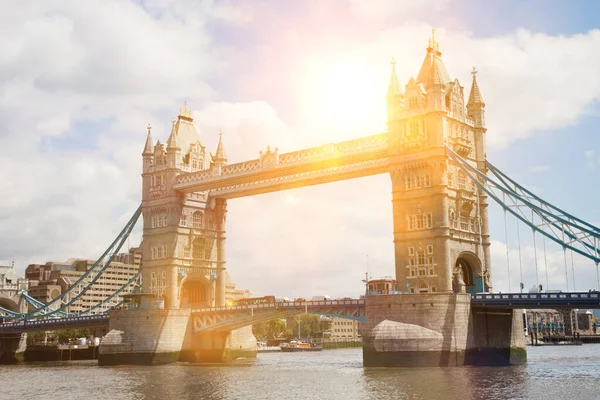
[198,219]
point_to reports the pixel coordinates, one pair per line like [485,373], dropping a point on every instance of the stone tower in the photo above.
[441,235]
[182,231]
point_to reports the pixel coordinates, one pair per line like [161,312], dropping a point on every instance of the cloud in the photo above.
[541,168]
[79,83]
[383,10]
[591,160]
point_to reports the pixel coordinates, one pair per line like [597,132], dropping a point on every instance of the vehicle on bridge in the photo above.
[321,298]
[253,301]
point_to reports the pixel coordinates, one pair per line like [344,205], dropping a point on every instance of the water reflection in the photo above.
[563,373]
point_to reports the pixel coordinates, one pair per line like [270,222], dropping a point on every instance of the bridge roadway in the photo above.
[215,318]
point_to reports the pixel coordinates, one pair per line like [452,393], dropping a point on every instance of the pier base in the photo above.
[211,347]
[439,329]
[163,336]
[144,337]
[12,347]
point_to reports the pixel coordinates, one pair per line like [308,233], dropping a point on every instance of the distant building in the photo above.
[231,293]
[563,322]
[9,280]
[48,281]
[342,328]
[385,285]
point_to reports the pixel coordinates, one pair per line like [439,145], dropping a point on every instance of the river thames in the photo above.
[553,372]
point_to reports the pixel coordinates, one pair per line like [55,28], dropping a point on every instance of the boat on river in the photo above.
[295,346]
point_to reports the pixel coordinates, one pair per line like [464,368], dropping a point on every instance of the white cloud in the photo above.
[592,160]
[391,9]
[116,66]
[78,83]
[541,168]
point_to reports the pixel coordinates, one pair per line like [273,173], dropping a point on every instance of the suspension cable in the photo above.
[522,285]
[565,256]
[507,252]
[537,278]
[545,261]
[573,271]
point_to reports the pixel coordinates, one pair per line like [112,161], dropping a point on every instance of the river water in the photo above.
[552,372]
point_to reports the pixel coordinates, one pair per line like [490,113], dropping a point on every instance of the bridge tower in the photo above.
[184,233]
[441,235]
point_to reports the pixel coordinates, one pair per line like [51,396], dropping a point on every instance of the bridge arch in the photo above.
[9,304]
[467,272]
[195,292]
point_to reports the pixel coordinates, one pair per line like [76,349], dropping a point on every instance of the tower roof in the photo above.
[185,130]
[475,97]
[433,71]
[394,87]
[220,157]
[148,145]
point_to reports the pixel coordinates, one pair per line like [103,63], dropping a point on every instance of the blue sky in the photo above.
[79,83]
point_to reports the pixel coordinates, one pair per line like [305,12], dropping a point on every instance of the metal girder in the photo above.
[229,318]
[552,222]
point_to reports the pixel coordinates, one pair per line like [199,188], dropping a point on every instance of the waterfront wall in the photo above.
[439,329]
[12,347]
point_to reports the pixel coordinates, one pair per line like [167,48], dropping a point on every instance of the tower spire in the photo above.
[394,87]
[475,97]
[219,158]
[148,146]
[172,141]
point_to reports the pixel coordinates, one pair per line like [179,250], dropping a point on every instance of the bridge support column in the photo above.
[439,330]
[142,337]
[210,347]
[12,347]
[221,216]
[172,288]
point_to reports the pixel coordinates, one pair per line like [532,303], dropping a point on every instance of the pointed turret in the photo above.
[172,141]
[219,158]
[394,88]
[475,97]
[476,105]
[148,147]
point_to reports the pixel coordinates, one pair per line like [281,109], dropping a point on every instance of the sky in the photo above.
[79,82]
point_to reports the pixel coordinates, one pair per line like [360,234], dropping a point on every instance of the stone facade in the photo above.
[441,232]
[184,233]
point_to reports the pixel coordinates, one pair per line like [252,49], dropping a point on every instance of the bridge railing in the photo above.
[284,304]
[53,322]
[536,296]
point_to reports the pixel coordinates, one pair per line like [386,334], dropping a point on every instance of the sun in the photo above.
[346,96]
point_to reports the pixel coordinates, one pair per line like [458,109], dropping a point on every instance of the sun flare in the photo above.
[345,96]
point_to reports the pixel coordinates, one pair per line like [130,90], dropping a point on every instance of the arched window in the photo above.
[198,219]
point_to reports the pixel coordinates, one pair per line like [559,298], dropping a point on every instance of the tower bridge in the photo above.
[434,153]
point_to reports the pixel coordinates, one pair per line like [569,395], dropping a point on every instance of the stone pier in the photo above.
[439,330]
[162,336]
[12,347]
